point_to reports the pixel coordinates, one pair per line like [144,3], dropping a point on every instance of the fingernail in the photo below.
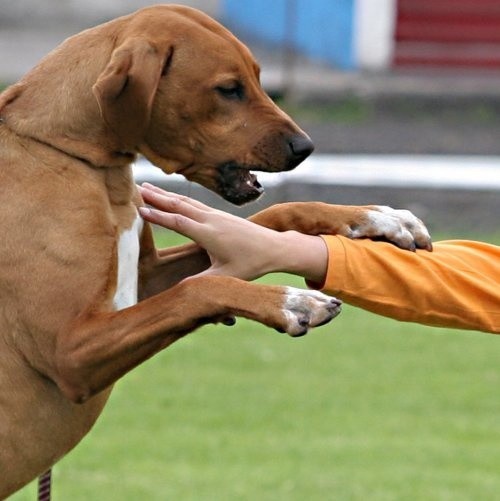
[144,211]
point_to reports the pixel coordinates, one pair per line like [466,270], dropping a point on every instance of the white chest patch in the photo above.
[128,258]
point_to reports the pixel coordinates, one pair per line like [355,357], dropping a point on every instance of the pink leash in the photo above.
[44,485]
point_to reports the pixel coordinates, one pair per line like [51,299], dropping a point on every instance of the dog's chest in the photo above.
[127,266]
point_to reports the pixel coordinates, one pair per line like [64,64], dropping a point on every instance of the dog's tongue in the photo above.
[239,185]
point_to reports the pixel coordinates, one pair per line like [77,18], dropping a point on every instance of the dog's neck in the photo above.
[92,157]
[120,185]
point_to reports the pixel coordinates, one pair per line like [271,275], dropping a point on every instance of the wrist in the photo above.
[304,255]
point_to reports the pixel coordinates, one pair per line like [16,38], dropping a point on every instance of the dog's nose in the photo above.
[300,147]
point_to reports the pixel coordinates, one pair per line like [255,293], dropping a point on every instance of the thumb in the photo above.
[212,271]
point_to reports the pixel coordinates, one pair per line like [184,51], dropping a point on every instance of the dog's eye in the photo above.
[235,91]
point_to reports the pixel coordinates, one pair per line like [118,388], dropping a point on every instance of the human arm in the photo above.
[245,250]
[236,246]
[457,285]
[454,286]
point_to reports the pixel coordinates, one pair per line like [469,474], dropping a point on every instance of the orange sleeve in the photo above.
[457,285]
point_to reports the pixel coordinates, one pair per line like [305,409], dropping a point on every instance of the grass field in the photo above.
[364,408]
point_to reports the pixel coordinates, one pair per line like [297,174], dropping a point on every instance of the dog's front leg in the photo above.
[160,269]
[163,268]
[400,227]
[100,347]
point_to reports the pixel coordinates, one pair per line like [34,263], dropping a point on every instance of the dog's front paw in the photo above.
[398,226]
[307,308]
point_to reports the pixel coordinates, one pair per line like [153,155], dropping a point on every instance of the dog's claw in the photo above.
[229,321]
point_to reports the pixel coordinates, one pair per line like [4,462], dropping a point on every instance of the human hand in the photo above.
[236,246]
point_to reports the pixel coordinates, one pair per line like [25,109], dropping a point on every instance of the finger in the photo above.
[176,222]
[174,205]
[211,271]
[157,189]
[148,188]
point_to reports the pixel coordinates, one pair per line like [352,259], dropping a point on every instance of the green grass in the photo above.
[364,408]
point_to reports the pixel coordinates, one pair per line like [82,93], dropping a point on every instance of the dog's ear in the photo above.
[125,90]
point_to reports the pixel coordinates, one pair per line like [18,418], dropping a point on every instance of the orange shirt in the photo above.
[457,285]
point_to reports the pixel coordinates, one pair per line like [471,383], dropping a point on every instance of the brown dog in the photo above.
[84,295]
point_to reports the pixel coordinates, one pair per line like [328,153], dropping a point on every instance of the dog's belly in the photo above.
[127,273]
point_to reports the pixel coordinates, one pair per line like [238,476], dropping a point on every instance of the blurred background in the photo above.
[382,87]
[401,98]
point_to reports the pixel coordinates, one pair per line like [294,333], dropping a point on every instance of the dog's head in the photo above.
[183,91]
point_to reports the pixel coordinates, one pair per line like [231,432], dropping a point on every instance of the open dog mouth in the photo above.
[237,184]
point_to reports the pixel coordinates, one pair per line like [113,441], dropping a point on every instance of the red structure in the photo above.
[447,33]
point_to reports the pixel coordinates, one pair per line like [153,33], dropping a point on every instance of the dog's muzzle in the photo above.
[237,183]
